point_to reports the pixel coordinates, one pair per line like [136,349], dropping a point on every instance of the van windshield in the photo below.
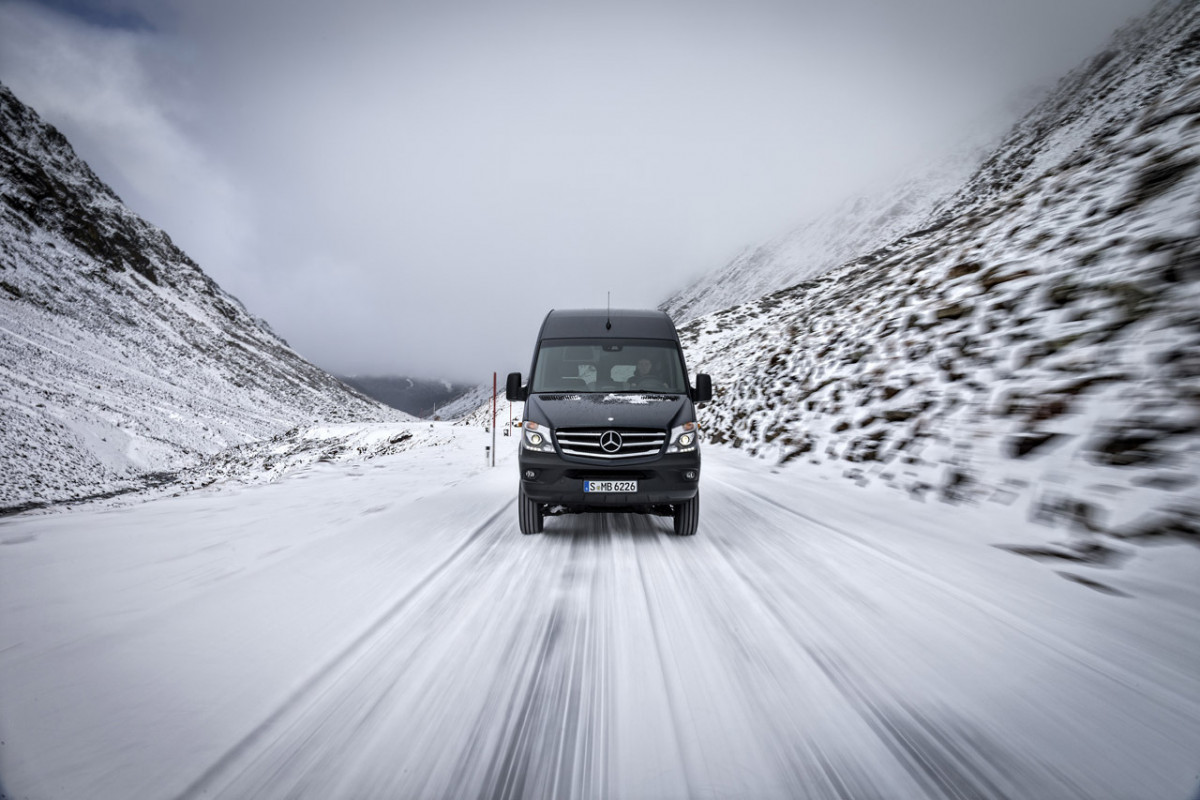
[608,365]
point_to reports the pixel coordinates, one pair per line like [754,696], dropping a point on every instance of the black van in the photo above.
[609,423]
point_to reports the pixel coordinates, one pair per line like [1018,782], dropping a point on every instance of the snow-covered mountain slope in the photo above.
[476,407]
[1141,60]
[474,404]
[1145,61]
[119,357]
[1039,344]
[858,225]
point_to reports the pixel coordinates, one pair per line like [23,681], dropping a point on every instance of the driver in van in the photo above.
[644,373]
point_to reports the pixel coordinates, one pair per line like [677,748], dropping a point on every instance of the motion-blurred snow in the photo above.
[381,629]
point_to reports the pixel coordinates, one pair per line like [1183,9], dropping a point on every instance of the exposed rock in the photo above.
[963,268]
[1080,551]
[1022,444]
[953,311]
[1178,523]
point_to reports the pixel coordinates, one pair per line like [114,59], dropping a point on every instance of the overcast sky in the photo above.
[408,187]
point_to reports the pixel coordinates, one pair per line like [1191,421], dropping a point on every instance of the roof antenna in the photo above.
[608,316]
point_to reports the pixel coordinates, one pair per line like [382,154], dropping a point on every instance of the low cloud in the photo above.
[407,188]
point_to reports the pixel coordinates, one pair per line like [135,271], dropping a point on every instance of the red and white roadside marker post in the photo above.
[493,419]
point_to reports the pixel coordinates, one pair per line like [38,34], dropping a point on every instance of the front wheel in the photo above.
[687,516]
[529,513]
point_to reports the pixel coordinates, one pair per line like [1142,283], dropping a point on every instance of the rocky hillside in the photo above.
[1092,105]
[858,225]
[1088,101]
[119,357]
[1038,343]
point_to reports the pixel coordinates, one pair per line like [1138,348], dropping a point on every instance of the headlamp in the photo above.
[683,438]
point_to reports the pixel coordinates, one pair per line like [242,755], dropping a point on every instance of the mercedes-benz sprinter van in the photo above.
[610,420]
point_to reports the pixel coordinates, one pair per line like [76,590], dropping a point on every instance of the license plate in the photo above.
[620,487]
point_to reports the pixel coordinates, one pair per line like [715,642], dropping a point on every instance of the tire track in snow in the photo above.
[1168,702]
[318,682]
[736,706]
[509,770]
[558,745]
[947,760]
[582,751]
[561,712]
[768,689]
[935,763]
[691,759]
[512,771]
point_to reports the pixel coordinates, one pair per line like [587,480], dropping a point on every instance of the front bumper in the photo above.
[662,481]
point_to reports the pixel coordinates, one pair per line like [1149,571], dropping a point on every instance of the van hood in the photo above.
[615,410]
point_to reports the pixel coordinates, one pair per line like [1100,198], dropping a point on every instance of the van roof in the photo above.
[592,322]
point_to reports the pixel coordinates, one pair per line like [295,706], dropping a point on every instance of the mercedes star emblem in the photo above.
[610,441]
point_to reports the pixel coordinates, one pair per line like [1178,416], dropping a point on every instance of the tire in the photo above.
[687,516]
[529,514]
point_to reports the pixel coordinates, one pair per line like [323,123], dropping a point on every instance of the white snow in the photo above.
[381,629]
[962,564]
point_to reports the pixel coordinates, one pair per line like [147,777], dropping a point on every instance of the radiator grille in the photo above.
[611,443]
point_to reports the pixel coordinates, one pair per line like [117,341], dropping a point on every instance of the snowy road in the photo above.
[383,630]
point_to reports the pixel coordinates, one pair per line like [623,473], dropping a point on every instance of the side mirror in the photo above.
[513,390]
[703,391]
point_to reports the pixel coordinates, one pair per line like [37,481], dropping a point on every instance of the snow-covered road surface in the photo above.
[382,629]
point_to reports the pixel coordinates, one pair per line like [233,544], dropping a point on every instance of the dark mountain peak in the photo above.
[421,397]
